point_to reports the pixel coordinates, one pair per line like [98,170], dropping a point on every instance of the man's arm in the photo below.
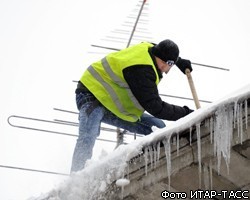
[141,81]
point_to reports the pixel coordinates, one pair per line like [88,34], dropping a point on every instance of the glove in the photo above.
[188,110]
[183,64]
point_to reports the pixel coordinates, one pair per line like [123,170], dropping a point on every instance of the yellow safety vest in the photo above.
[105,80]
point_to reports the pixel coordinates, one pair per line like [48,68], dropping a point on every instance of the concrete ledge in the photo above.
[149,178]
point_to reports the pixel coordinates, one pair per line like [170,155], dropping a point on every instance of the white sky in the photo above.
[44,46]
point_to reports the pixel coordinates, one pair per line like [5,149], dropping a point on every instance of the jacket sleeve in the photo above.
[141,80]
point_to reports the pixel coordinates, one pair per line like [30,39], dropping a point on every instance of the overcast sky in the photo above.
[44,45]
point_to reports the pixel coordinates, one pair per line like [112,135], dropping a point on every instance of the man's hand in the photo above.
[183,64]
[188,110]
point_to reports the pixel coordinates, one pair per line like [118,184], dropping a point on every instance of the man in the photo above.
[118,89]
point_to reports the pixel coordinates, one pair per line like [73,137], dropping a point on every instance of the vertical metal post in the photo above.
[119,135]
[136,22]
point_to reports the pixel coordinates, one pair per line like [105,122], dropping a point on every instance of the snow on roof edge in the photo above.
[96,177]
[196,117]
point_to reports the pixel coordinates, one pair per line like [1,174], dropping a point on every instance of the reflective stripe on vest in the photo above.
[111,92]
[121,83]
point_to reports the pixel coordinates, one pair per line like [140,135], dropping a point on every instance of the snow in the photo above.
[122,182]
[222,117]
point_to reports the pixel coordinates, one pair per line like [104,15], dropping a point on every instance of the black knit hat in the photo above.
[166,50]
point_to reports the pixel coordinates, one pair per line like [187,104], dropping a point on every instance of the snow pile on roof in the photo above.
[96,178]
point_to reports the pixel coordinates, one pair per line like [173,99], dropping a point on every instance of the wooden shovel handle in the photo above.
[191,84]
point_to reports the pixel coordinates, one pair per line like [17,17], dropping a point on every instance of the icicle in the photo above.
[146,161]
[190,136]
[223,135]
[177,143]
[198,130]
[158,151]
[241,122]
[151,156]
[238,119]
[211,126]
[154,156]
[167,147]
[215,135]
[246,113]
[235,113]
[217,140]
[211,174]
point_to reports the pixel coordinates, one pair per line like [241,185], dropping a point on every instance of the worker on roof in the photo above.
[119,88]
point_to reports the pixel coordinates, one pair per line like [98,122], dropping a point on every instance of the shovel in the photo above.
[191,84]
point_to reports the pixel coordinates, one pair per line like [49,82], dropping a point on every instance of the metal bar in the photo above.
[210,66]
[178,97]
[62,110]
[118,38]
[139,29]
[102,128]
[37,129]
[121,30]
[76,124]
[136,22]
[110,48]
[66,122]
[33,170]
[142,36]
[50,131]
[112,40]
[92,52]
[204,65]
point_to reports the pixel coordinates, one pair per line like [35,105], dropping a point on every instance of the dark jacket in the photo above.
[141,81]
